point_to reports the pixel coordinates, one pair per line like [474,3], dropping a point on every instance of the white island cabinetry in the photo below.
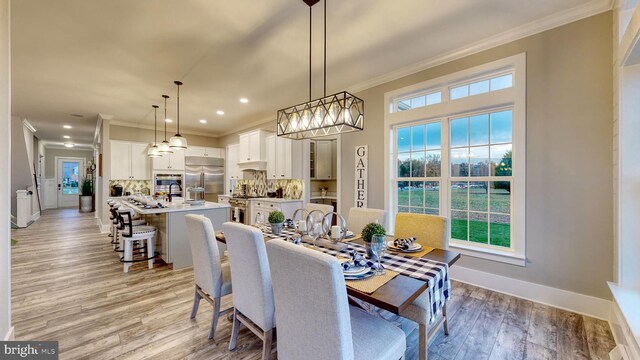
[266,205]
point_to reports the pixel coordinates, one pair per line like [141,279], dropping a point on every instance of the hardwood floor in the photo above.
[68,285]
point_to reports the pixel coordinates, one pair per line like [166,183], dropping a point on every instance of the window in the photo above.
[463,160]
[481,86]
[414,102]
[419,169]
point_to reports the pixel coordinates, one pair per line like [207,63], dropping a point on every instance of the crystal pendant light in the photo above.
[177,141]
[334,114]
[164,147]
[154,150]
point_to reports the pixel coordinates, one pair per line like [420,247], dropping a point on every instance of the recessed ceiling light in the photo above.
[67,137]
[67,126]
[220,112]
[203,121]
[244,100]
[168,120]
[69,145]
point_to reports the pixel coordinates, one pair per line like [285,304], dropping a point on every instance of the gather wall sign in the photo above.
[361,181]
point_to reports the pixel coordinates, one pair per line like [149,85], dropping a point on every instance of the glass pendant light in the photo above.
[178,141]
[154,151]
[164,147]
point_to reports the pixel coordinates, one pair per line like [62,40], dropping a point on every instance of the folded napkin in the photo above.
[297,240]
[358,260]
[289,224]
[404,244]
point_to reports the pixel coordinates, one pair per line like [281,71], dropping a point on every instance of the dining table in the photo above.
[396,294]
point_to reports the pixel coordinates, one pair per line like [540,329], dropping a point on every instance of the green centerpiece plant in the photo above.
[276,219]
[368,232]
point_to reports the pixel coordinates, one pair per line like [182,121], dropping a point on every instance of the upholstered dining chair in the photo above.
[212,276]
[323,208]
[360,217]
[313,316]
[431,231]
[252,291]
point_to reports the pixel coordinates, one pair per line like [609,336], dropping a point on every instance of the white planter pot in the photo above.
[85,204]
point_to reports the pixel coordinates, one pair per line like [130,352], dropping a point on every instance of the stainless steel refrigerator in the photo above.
[207,173]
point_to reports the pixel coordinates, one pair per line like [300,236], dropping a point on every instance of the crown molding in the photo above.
[576,13]
[149,127]
[248,126]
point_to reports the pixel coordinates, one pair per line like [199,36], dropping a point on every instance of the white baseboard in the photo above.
[35,217]
[9,336]
[104,229]
[562,299]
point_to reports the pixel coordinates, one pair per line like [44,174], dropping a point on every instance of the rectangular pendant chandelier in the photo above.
[330,115]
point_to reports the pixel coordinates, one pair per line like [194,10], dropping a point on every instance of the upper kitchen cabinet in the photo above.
[204,152]
[129,161]
[283,158]
[232,169]
[323,159]
[252,147]
[170,162]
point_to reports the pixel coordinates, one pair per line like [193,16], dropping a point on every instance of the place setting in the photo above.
[408,246]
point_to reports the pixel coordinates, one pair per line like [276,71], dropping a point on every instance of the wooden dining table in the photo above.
[399,292]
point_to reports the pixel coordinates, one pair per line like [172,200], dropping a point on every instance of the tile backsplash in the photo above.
[260,185]
[133,186]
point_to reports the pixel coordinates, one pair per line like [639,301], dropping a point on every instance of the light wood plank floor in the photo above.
[68,285]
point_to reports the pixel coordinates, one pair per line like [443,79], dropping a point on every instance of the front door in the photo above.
[70,174]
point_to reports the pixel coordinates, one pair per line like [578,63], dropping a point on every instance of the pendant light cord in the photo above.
[165,116]
[310,20]
[178,108]
[155,124]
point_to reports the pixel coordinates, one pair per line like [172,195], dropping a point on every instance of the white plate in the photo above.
[356,270]
[360,277]
[413,248]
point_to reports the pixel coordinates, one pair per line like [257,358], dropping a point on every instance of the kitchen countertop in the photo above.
[278,200]
[175,207]
[319,197]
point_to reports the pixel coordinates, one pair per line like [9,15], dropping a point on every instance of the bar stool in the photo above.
[144,235]
[122,222]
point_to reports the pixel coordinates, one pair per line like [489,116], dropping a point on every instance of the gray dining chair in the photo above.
[252,291]
[360,217]
[313,315]
[323,208]
[212,276]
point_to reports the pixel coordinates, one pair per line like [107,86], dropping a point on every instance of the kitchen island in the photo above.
[172,242]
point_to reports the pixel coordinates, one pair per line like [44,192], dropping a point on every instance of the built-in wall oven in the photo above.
[239,211]
[162,183]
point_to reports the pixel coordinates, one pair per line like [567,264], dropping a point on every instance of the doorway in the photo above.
[69,174]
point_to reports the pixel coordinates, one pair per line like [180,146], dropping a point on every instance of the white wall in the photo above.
[5,163]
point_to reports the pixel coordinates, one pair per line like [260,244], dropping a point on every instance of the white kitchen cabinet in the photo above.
[265,205]
[172,162]
[140,164]
[204,152]
[232,168]
[129,161]
[334,159]
[270,145]
[252,147]
[284,160]
[323,159]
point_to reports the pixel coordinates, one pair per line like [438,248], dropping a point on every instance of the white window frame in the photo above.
[513,97]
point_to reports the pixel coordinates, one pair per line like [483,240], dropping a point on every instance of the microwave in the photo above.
[162,182]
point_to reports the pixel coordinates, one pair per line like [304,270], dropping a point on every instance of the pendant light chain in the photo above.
[165,116]
[155,124]
[325,48]
[178,107]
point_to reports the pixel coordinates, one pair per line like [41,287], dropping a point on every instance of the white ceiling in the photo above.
[118,56]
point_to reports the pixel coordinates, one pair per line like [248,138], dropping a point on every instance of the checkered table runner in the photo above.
[436,274]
